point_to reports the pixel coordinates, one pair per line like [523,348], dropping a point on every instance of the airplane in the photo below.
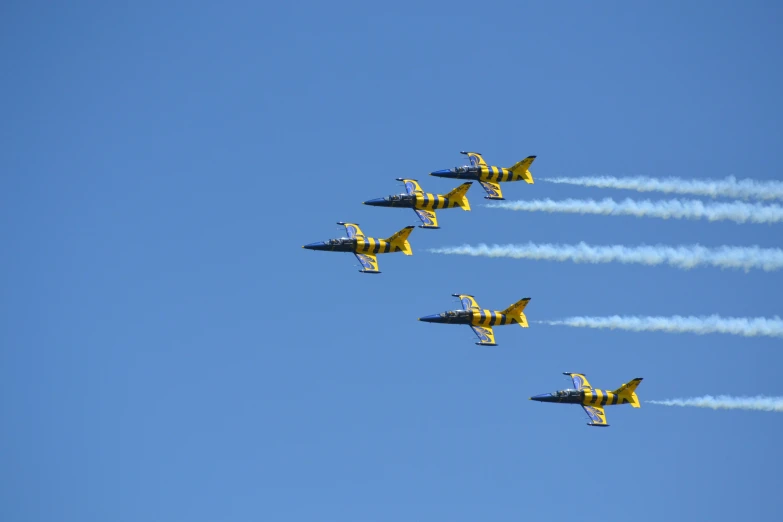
[424,205]
[489,177]
[592,400]
[481,321]
[365,248]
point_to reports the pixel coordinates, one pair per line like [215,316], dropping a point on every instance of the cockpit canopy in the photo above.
[566,393]
[399,197]
[455,313]
[464,168]
[340,241]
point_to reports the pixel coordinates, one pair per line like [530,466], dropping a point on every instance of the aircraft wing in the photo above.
[468,302]
[428,218]
[493,190]
[369,263]
[475,159]
[580,381]
[411,185]
[596,414]
[352,229]
[485,335]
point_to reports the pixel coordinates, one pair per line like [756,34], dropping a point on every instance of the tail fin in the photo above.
[458,197]
[627,391]
[399,241]
[515,312]
[521,168]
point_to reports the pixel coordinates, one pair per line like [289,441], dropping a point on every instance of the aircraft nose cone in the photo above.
[435,318]
[544,397]
[377,202]
[445,173]
[318,245]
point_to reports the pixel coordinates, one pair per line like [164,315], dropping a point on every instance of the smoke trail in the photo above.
[745,326]
[725,402]
[737,211]
[684,257]
[729,187]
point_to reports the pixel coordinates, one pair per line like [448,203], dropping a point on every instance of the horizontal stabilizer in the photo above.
[628,391]
[522,167]
[400,240]
[458,196]
[515,312]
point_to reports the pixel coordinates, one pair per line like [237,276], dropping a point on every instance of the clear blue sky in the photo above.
[169,352]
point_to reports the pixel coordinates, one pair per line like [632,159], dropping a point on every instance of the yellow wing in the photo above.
[352,229]
[485,334]
[580,381]
[596,414]
[475,159]
[468,302]
[369,263]
[493,190]
[411,185]
[427,217]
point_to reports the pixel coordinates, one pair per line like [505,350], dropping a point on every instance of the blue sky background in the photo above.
[171,353]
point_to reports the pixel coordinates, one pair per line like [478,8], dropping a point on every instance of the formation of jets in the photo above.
[481,321]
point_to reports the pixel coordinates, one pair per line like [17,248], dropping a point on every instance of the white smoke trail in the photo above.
[745,326]
[684,257]
[736,211]
[725,402]
[729,187]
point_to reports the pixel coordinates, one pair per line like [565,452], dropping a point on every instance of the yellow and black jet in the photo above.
[366,248]
[591,399]
[424,204]
[489,177]
[481,321]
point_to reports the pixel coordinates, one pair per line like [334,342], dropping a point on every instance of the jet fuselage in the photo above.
[496,174]
[590,397]
[470,317]
[415,201]
[359,245]
[334,245]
